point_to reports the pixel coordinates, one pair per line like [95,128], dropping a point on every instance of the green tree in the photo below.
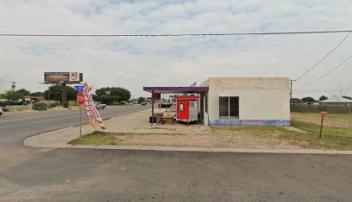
[295,100]
[54,93]
[308,99]
[14,95]
[323,97]
[36,94]
[112,95]
[23,91]
[140,100]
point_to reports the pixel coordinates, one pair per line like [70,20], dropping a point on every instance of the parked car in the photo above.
[100,106]
[1,111]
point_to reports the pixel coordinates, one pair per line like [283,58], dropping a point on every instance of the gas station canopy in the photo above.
[169,90]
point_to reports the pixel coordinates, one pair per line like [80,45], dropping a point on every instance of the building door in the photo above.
[183,110]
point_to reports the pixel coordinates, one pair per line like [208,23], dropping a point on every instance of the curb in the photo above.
[213,150]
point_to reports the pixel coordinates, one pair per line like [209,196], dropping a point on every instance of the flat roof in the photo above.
[179,89]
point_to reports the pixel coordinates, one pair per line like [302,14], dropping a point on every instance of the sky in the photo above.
[175,61]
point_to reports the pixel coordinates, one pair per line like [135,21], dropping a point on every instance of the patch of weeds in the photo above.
[96,138]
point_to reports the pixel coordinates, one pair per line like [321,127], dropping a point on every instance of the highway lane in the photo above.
[16,127]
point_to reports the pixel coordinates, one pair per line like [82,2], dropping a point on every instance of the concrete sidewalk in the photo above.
[134,127]
[134,123]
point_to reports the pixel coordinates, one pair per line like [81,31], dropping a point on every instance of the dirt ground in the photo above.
[206,140]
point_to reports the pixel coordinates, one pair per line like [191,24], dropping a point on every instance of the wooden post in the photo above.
[321,127]
[322,114]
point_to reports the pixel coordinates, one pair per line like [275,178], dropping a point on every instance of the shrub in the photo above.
[66,105]
[39,106]
[53,104]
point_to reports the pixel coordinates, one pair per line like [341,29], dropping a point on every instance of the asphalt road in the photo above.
[32,174]
[16,127]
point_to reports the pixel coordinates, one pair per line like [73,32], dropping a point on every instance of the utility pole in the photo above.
[63,94]
[291,88]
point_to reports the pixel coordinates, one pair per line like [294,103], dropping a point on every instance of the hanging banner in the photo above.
[93,114]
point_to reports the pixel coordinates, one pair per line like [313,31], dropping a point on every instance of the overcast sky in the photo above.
[136,62]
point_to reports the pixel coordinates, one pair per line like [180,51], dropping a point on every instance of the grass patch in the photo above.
[268,132]
[259,131]
[333,137]
[336,135]
[332,120]
[96,138]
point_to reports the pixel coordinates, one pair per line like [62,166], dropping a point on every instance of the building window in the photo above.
[229,107]
[181,107]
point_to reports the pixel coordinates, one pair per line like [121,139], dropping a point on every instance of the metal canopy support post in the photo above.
[152,118]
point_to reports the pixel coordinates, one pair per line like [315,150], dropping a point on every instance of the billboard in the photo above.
[66,77]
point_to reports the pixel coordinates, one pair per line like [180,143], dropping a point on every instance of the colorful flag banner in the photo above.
[93,114]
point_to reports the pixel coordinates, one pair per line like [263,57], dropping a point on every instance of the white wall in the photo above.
[260,98]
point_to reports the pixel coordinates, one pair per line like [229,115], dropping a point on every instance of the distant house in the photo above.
[33,98]
[336,101]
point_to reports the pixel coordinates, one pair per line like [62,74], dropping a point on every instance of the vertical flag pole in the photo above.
[80,102]
[80,121]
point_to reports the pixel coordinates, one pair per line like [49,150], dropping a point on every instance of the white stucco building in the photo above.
[237,100]
[247,101]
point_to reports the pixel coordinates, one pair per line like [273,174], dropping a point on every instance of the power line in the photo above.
[178,35]
[323,58]
[317,91]
[323,91]
[329,72]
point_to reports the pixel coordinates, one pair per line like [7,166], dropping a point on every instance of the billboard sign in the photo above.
[66,77]
[74,76]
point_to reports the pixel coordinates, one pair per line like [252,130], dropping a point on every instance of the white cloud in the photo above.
[134,62]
